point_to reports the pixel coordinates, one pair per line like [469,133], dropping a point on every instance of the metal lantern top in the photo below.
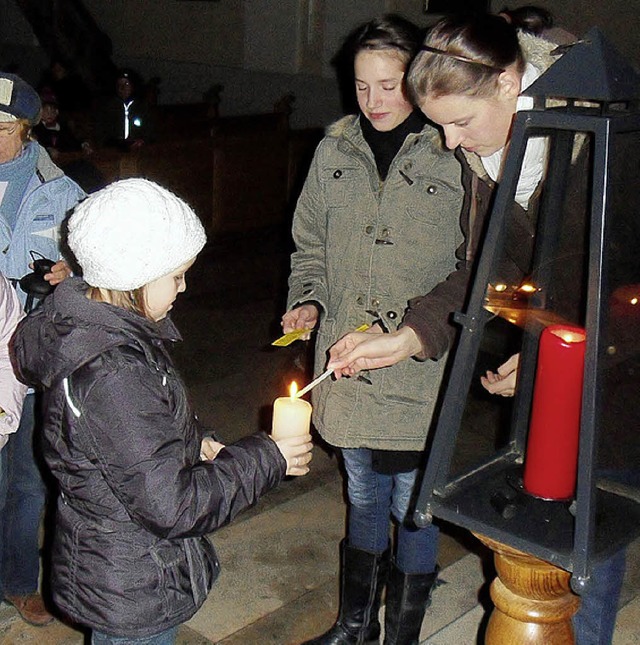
[590,69]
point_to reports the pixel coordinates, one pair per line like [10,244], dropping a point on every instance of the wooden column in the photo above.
[532,598]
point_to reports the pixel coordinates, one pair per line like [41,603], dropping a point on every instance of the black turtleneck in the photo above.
[385,145]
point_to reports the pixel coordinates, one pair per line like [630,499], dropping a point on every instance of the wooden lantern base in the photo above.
[532,598]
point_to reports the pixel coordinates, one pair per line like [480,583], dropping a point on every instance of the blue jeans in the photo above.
[23,494]
[375,498]
[167,637]
[595,620]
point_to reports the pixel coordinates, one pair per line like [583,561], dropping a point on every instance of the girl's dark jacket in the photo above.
[129,553]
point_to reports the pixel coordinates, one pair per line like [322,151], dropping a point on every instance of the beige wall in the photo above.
[262,49]
[173,30]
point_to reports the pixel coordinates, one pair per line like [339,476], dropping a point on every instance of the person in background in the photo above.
[124,120]
[537,21]
[12,392]
[61,80]
[376,224]
[468,80]
[54,134]
[35,195]
[57,136]
[140,487]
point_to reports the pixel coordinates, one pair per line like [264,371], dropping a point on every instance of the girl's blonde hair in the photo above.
[465,56]
[132,300]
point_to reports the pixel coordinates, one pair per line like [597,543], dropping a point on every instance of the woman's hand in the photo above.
[209,449]
[59,271]
[372,349]
[302,317]
[502,382]
[297,452]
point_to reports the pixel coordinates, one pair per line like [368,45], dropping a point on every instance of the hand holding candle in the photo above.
[290,430]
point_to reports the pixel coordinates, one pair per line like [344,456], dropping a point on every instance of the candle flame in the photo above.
[293,389]
[634,301]
[569,336]
[528,288]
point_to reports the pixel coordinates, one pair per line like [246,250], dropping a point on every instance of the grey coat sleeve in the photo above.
[308,278]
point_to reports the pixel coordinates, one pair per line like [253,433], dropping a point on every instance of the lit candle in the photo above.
[552,447]
[291,415]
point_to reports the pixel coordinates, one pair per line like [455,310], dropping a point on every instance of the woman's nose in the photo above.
[452,138]
[373,99]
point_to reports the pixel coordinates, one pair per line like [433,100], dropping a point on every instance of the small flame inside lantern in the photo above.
[293,389]
[528,288]
[569,336]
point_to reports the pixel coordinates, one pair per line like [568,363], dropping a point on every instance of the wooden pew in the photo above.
[243,174]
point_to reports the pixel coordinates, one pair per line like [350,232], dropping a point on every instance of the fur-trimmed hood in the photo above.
[347,127]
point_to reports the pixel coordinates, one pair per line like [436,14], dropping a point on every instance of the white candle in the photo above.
[291,416]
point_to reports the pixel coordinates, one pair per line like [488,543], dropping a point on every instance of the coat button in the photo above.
[432,190]
[375,303]
[368,230]
[385,232]
[392,315]
[337,174]
[408,165]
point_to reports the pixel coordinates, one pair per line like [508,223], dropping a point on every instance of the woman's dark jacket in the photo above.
[129,557]
[427,313]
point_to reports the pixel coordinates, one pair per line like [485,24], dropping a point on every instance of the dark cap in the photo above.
[18,100]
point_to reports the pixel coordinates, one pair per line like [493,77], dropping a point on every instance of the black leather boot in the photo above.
[408,596]
[363,577]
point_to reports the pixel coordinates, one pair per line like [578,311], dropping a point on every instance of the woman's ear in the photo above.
[509,83]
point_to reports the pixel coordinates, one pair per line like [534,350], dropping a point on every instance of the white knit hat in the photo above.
[131,233]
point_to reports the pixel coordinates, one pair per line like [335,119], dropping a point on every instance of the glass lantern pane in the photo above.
[537,278]
[514,472]
[619,421]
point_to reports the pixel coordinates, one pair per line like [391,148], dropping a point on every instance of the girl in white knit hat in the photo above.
[139,486]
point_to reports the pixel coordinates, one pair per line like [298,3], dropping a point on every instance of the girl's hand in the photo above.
[297,452]
[503,382]
[209,449]
[302,317]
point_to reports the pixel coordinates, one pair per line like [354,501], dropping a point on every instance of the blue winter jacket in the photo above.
[48,198]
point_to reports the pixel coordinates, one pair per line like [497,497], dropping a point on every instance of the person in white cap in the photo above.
[139,486]
[34,198]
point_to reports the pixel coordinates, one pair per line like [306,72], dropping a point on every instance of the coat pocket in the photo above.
[434,203]
[186,570]
[412,382]
[340,184]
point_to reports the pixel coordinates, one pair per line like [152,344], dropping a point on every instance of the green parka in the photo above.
[364,247]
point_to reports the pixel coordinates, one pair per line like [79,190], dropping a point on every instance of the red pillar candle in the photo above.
[552,447]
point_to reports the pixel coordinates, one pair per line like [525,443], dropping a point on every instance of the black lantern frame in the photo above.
[487,498]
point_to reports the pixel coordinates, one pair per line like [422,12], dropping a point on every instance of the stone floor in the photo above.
[279,579]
